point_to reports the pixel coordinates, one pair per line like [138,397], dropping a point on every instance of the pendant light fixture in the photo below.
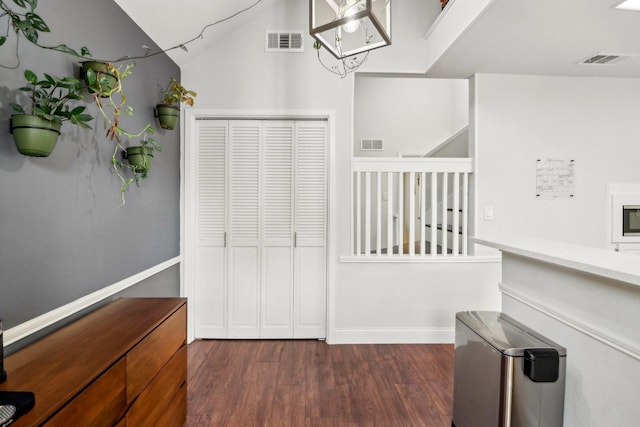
[347,28]
[350,27]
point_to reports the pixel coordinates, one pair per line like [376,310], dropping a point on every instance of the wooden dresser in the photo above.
[124,364]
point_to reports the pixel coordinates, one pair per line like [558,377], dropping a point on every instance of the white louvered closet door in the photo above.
[261,206]
[310,229]
[210,228]
[244,229]
[277,230]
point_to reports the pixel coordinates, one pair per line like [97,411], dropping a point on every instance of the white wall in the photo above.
[410,302]
[411,115]
[411,19]
[518,119]
[460,117]
[596,319]
[237,74]
[456,146]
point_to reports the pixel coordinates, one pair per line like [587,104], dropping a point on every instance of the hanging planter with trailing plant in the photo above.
[100,77]
[36,132]
[168,111]
[111,101]
[140,157]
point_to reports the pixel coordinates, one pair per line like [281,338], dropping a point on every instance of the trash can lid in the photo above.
[505,334]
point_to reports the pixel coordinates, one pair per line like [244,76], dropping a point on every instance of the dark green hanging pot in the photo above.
[33,135]
[168,115]
[140,158]
[105,80]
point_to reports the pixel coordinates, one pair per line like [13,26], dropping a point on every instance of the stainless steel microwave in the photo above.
[631,220]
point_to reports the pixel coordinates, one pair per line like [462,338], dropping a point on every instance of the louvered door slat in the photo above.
[211,183]
[244,180]
[310,180]
[277,177]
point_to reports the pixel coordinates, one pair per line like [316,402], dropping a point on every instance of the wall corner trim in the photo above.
[36,324]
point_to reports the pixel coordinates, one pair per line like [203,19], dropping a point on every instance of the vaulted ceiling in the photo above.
[169,23]
[507,37]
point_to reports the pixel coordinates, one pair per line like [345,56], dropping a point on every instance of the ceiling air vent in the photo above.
[283,41]
[371,145]
[606,58]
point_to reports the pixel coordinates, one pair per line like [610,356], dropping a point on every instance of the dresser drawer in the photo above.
[146,359]
[157,400]
[176,412]
[101,404]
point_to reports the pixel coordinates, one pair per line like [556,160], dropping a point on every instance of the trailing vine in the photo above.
[26,22]
[111,100]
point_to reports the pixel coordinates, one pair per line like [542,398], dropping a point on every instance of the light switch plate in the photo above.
[488,213]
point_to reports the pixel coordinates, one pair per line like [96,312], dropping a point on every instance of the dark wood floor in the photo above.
[310,383]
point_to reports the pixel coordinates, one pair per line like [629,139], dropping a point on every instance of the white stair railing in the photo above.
[411,206]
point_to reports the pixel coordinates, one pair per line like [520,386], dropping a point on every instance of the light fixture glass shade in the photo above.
[349,27]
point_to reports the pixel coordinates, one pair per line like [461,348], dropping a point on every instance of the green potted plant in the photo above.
[36,129]
[103,77]
[140,157]
[168,111]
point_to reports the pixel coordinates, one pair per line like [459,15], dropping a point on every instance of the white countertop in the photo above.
[601,262]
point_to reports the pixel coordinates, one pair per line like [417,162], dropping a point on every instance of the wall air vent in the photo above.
[371,145]
[606,58]
[283,41]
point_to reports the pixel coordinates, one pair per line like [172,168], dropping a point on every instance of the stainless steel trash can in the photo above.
[505,374]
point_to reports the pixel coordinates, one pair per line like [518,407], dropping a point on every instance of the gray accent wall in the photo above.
[160,285]
[63,231]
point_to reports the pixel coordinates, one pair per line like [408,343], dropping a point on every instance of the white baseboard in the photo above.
[394,336]
[32,326]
